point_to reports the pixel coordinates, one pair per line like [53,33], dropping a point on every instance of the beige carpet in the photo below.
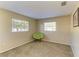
[40,49]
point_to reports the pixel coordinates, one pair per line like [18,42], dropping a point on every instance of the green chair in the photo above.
[38,36]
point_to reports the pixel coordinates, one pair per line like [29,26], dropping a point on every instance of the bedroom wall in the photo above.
[9,40]
[75,36]
[62,33]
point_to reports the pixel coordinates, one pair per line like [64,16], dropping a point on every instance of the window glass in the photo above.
[50,26]
[19,25]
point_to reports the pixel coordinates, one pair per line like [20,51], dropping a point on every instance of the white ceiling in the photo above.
[39,9]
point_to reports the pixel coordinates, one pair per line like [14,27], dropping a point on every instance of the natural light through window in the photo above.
[19,25]
[50,26]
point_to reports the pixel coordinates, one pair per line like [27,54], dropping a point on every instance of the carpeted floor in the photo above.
[40,49]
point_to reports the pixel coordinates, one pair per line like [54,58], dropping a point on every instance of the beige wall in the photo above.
[62,33]
[9,40]
[74,36]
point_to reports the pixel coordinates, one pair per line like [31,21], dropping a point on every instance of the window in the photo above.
[19,25]
[50,26]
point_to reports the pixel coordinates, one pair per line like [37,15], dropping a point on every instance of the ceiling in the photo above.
[39,9]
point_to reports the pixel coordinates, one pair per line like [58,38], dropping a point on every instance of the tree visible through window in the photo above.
[19,25]
[50,26]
